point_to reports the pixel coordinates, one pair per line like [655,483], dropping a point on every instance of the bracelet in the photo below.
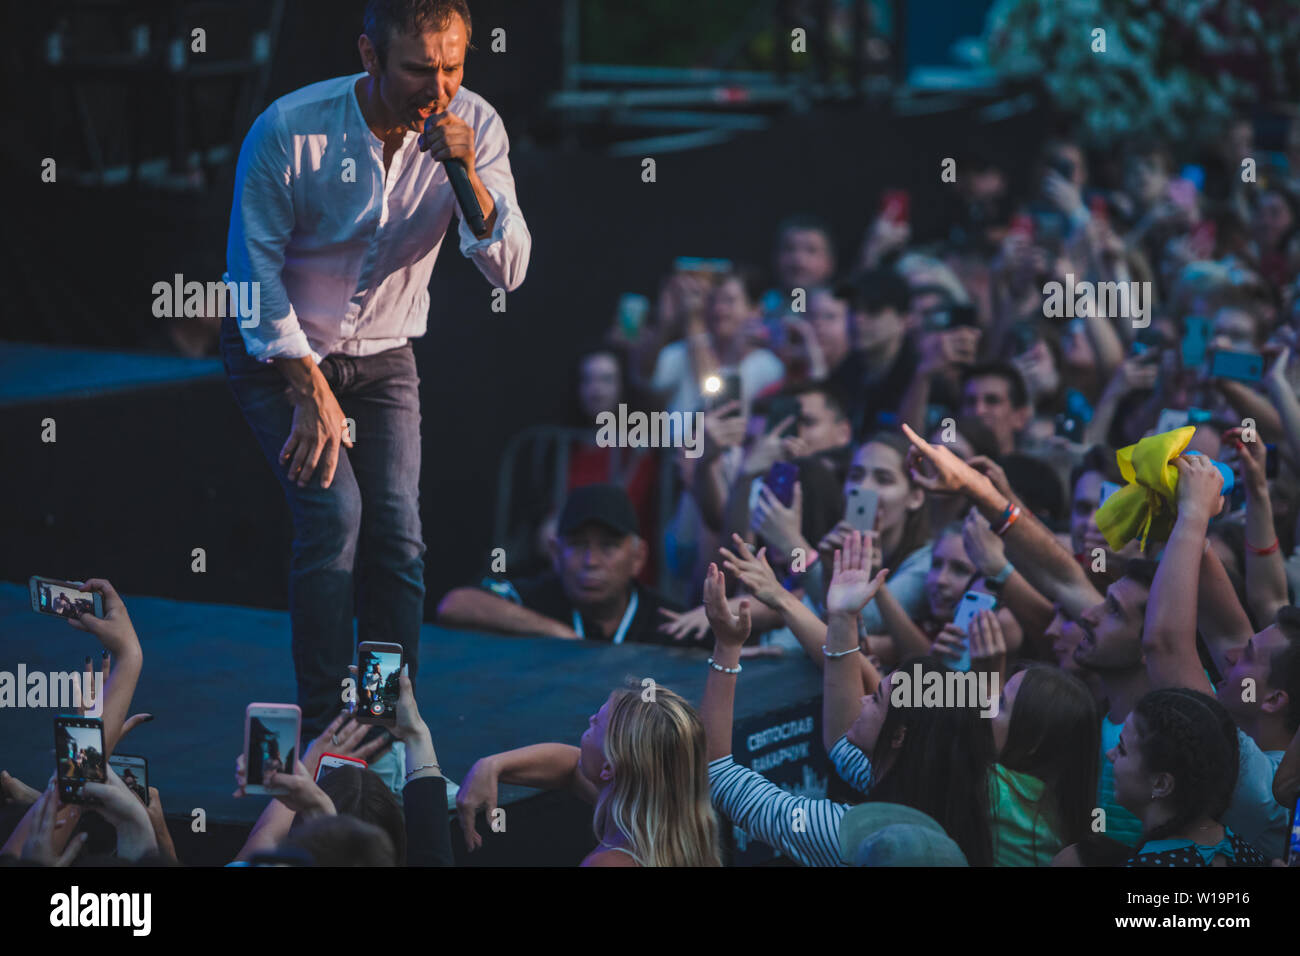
[1262,551]
[427,766]
[1008,519]
[995,581]
[852,650]
[724,670]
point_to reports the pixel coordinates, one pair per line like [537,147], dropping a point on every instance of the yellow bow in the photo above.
[1148,504]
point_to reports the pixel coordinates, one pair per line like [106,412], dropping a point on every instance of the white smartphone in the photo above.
[63,598]
[971,603]
[860,511]
[134,772]
[270,742]
[329,762]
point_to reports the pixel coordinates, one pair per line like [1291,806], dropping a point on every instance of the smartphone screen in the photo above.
[79,754]
[272,736]
[1238,366]
[781,478]
[63,599]
[860,511]
[134,772]
[378,670]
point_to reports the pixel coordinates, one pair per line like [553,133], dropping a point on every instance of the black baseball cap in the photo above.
[605,504]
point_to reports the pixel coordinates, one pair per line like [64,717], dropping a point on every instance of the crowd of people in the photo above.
[987,412]
[912,425]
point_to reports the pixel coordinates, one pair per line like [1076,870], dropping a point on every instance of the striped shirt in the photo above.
[806,830]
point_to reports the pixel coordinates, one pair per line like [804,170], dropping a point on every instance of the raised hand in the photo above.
[984,547]
[299,792]
[754,573]
[689,625]
[779,526]
[936,469]
[852,586]
[729,630]
[1199,486]
[114,629]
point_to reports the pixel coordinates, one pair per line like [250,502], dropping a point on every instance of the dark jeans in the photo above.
[362,534]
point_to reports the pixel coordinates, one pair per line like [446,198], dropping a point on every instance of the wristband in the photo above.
[724,670]
[852,650]
[427,766]
[1002,577]
[1262,551]
[1008,519]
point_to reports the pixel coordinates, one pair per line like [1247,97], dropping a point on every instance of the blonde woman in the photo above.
[642,763]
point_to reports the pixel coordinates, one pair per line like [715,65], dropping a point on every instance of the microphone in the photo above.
[470,211]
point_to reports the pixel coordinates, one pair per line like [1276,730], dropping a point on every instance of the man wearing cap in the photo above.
[590,594]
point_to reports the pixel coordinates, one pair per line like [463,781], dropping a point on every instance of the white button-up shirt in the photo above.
[343,252]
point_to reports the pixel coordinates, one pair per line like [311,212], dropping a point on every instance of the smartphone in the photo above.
[270,742]
[78,755]
[63,598]
[1196,341]
[971,603]
[781,478]
[721,389]
[693,264]
[1238,366]
[781,408]
[378,668]
[134,772]
[632,312]
[329,762]
[896,206]
[860,512]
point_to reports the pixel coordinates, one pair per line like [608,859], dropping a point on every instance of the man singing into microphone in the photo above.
[341,204]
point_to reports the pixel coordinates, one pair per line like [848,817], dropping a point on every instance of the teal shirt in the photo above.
[1120,824]
[1022,834]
